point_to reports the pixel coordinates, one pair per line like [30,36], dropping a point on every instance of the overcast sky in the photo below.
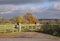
[41,9]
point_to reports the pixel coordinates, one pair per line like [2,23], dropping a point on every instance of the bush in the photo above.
[50,29]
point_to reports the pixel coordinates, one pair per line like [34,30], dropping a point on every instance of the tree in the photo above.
[13,20]
[5,20]
[0,20]
[17,19]
[29,17]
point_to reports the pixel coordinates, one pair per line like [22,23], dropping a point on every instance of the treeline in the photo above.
[27,18]
[50,21]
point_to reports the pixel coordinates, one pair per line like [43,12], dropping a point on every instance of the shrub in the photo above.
[50,29]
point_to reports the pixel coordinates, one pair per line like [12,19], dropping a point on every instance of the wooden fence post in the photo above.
[19,27]
[13,29]
[5,29]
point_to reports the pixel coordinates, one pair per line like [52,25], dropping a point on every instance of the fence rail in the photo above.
[11,27]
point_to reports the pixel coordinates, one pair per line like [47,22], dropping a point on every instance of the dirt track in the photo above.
[26,39]
[29,36]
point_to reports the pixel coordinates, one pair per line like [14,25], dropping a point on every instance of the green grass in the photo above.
[6,26]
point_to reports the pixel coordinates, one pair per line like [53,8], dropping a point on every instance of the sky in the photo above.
[41,9]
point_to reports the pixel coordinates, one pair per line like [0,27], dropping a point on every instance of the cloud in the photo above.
[53,12]
[18,1]
[53,0]
[13,10]
[7,9]
[56,6]
[24,1]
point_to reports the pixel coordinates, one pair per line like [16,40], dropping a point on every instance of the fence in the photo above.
[6,28]
[11,27]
